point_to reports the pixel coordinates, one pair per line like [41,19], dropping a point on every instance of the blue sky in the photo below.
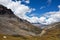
[43,6]
[35,11]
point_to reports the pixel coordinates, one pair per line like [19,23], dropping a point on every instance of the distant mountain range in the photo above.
[39,25]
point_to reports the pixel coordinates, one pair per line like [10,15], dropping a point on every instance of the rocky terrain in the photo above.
[12,25]
[15,28]
[52,32]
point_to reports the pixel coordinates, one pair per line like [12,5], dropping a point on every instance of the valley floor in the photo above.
[45,37]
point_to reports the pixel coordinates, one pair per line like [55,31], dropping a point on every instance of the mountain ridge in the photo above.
[15,28]
[11,24]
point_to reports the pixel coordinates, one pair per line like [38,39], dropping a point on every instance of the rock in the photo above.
[4,37]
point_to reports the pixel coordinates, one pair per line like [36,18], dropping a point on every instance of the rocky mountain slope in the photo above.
[12,25]
[52,32]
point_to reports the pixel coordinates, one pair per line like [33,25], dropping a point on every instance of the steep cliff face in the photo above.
[12,25]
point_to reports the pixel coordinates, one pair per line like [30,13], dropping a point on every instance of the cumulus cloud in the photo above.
[33,19]
[20,10]
[47,18]
[42,19]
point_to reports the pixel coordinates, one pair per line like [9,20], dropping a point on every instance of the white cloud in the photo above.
[47,18]
[42,7]
[51,17]
[31,9]
[26,1]
[33,19]
[33,15]
[19,9]
[58,6]
[42,19]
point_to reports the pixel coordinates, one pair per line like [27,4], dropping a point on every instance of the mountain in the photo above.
[52,32]
[39,25]
[15,28]
[10,24]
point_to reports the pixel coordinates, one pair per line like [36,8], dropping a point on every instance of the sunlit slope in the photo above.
[52,33]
